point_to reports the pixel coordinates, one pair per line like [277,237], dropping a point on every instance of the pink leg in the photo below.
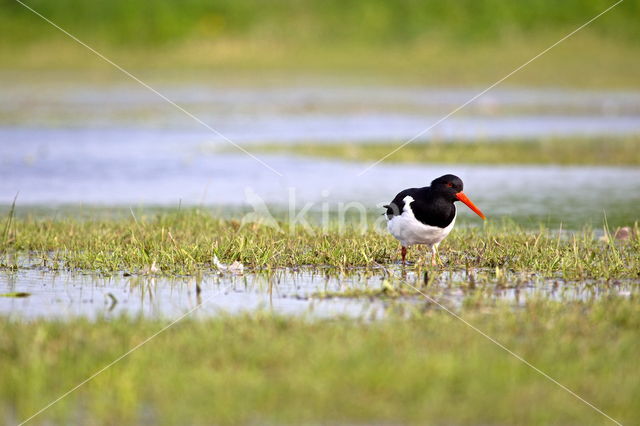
[403,251]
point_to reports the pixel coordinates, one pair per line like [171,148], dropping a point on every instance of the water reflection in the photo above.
[321,293]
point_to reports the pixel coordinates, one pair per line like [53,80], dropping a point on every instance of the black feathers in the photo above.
[431,205]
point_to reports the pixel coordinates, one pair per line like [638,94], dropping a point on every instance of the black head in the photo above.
[448,185]
[450,188]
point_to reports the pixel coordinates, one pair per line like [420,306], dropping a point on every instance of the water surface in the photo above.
[314,292]
[120,145]
[169,174]
[296,114]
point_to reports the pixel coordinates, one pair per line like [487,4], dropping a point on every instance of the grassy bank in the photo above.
[185,242]
[333,21]
[432,61]
[434,43]
[430,368]
[584,152]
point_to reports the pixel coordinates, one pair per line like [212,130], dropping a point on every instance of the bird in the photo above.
[426,215]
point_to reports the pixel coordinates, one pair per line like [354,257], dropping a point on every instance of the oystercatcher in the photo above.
[426,215]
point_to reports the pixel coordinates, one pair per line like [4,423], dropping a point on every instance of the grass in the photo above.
[427,368]
[124,22]
[408,42]
[429,62]
[15,294]
[416,365]
[184,242]
[584,152]
[387,291]
[421,366]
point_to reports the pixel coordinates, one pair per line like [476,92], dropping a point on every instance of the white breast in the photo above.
[409,230]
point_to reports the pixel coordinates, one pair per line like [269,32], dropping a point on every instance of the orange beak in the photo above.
[469,204]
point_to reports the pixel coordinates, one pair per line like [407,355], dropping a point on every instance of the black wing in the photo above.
[395,207]
[427,208]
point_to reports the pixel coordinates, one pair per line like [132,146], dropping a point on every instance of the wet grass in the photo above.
[15,294]
[420,367]
[184,242]
[384,292]
[417,364]
[584,152]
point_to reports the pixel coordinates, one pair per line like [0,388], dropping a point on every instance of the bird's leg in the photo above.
[435,255]
[403,252]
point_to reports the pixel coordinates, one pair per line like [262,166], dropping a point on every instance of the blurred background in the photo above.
[319,90]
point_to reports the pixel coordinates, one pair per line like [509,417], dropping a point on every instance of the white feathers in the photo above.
[409,230]
[235,268]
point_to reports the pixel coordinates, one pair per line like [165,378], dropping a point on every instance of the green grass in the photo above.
[408,42]
[584,152]
[329,21]
[184,242]
[426,369]
[434,62]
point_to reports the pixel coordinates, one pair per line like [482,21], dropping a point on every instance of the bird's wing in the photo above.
[397,205]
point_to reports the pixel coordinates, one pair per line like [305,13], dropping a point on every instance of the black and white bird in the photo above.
[426,215]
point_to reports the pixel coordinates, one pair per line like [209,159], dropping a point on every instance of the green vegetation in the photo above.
[603,152]
[15,294]
[185,242]
[433,62]
[416,365]
[382,21]
[429,368]
[434,42]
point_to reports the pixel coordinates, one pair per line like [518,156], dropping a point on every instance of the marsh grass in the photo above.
[385,22]
[430,62]
[424,368]
[585,152]
[15,294]
[185,241]
[416,43]
[386,291]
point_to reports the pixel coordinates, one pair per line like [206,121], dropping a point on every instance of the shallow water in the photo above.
[64,294]
[297,114]
[314,292]
[71,172]
[122,145]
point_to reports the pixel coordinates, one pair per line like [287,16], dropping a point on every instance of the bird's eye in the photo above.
[450,185]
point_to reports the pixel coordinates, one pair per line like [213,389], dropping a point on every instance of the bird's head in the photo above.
[450,187]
